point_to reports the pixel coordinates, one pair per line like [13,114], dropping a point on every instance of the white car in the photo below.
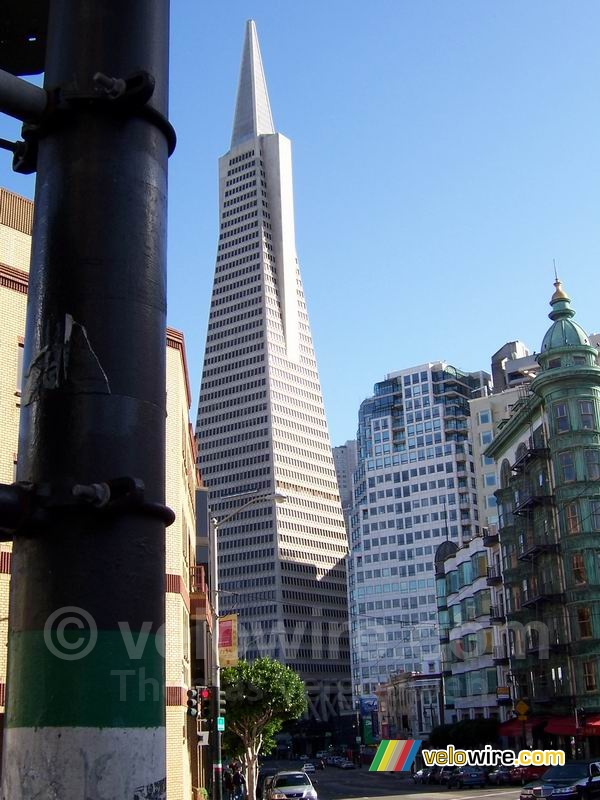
[308,767]
[291,786]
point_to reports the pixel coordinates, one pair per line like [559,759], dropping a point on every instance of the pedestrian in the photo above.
[239,784]
[228,784]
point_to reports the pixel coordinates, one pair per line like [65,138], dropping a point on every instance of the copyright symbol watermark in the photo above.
[62,640]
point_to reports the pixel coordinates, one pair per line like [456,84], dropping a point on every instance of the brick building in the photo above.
[16,216]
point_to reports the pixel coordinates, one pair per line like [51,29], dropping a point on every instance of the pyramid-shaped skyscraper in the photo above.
[261,424]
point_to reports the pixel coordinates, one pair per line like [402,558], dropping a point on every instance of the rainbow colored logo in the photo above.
[395,755]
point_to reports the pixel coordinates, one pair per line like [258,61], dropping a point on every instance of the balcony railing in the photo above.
[542,593]
[497,614]
[494,576]
[500,654]
[532,494]
[200,607]
[546,693]
[198,580]
[490,536]
[532,454]
[532,544]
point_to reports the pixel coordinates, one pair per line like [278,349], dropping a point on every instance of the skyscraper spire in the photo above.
[261,422]
[252,109]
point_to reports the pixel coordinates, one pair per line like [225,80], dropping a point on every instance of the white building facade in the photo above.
[414,488]
[261,424]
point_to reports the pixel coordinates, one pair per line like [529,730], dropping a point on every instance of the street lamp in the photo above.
[251,499]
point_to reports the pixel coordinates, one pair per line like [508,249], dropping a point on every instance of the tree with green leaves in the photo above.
[260,696]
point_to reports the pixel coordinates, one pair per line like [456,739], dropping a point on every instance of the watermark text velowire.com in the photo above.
[490,757]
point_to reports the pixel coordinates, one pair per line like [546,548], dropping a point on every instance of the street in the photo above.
[338,784]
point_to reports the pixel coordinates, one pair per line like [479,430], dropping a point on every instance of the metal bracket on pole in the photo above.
[26,509]
[126,97]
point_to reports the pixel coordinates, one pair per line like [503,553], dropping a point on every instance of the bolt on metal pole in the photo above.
[85,691]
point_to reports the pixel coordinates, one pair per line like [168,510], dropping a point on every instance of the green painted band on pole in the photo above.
[83,678]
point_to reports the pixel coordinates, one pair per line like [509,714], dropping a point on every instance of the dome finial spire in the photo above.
[564,332]
[559,293]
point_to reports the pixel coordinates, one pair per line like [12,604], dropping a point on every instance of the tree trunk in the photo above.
[251,758]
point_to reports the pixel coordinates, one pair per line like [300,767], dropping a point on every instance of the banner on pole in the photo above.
[228,640]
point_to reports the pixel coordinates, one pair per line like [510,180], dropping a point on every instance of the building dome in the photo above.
[564,332]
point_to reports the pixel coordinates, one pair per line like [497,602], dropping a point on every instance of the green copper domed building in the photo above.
[548,454]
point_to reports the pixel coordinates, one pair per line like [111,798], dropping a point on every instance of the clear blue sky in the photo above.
[444,153]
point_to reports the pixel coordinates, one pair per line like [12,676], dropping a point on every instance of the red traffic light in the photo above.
[204,693]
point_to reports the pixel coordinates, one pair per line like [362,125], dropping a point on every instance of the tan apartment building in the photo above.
[16,216]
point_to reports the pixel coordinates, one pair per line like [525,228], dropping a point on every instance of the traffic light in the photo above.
[205,709]
[222,703]
[192,702]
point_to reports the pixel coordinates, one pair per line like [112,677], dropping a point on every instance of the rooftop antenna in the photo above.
[555,272]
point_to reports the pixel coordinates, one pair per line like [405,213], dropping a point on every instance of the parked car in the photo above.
[576,780]
[422,775]
[347,764]
[434,775]
[291,786]
[263,774]
[523,775]
[445,775]
[501,776]
[466,776]
[266,785]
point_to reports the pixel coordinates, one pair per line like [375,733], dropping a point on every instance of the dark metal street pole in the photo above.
[85,692]
[215,737]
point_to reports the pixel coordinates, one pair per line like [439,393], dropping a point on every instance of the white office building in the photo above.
[261,424]
[415,488]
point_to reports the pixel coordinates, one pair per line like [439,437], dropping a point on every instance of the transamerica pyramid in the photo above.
[261,425]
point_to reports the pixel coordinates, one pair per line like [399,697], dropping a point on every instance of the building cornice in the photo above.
[176,341]
[15,279]
[573,375]
[513,428]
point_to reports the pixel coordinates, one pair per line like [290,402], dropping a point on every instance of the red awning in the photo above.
[561,726]
[565,726]
[592,725]
[514,727]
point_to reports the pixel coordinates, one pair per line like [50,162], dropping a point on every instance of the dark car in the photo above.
[576,780]
[422,775]
[263,774]
[434,775]
[523,775]
[445,774]
[467,776]
[501,776]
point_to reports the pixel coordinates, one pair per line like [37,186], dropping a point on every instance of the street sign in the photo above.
[521,708]
[221,724]
[202,738]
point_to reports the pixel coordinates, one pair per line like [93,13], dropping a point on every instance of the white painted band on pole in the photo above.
[124,763]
